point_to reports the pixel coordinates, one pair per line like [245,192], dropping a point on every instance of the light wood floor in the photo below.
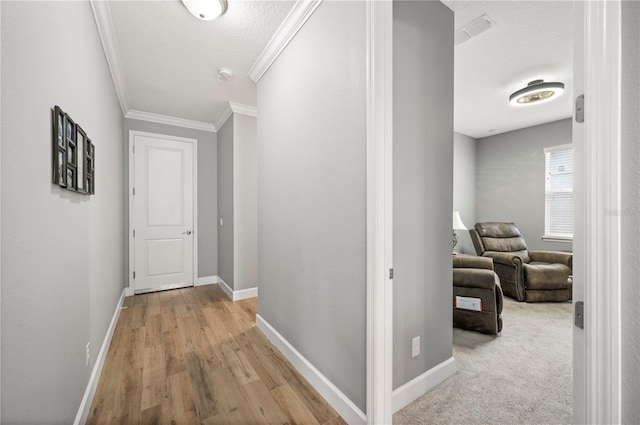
[192,356]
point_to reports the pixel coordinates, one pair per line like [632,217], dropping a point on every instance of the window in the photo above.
[558,196]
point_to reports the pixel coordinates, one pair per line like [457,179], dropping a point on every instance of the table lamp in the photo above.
[457,225]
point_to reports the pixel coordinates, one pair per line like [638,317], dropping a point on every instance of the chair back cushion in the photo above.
[501,237]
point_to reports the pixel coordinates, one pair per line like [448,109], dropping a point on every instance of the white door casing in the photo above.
[162,204]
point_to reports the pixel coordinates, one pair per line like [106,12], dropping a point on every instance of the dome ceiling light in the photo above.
[537,91]
[206,10]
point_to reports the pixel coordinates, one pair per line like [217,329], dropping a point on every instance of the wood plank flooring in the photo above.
[192,356]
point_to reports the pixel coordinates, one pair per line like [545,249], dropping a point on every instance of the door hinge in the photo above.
[134,191]
[134,233]
[579,314]
[134,149]
[134,275]
[580,108]
[390,273]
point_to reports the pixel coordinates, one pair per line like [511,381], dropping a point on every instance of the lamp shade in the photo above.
[457,222]
[206,9]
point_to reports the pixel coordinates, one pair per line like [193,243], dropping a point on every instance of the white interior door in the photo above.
[163,213]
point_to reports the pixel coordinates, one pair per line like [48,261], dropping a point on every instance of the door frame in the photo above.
[379,333]
[597,370]
[131,158]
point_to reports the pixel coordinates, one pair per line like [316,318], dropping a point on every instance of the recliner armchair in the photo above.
[531,276]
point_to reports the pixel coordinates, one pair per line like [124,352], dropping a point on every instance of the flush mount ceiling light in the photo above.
[206,9]
[537,91]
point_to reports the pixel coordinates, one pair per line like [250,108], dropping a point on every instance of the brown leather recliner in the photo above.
[474,277]
[530,276]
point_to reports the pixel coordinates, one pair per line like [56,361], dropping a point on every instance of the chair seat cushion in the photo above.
[546,276]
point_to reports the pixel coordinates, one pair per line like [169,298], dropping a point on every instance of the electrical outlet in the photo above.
[415,346]
[221,222]
[87,354]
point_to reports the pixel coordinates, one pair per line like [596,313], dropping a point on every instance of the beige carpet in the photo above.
[522,376]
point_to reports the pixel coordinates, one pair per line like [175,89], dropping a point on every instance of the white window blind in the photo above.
[558,221]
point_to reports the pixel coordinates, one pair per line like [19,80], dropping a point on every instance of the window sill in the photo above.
[557,239]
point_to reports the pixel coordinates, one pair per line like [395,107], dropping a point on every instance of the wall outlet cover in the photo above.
[415,346]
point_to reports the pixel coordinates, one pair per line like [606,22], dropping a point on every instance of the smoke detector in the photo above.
[224,74]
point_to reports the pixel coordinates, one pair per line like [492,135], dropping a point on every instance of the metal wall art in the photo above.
[73,155]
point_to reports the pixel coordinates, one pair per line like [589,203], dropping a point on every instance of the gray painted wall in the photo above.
[245,202]
[207,191]
[464,187]
[510,179]
[630,213]
[422,190]
[225,202]
[62,262]
[311,195]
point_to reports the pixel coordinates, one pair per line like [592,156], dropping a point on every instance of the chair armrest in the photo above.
[506,258]
[475,278]
[462,262]
[552,257]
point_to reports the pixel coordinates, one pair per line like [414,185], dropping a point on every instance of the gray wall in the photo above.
[311,195]
[225,202]
[207,191]
[464,187]
[422,190]
[245,202]
[631,213]
[511,176]
[62,252]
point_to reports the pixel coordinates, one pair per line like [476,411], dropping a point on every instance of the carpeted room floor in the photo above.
[522,376]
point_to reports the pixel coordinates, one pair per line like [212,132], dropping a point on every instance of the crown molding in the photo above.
[226,114]
[235,108]
[239,108]
[165,119]
[295,20]
[102,16]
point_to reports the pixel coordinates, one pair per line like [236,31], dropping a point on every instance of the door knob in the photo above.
[188,232]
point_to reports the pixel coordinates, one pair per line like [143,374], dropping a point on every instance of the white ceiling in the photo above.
[532,40]
[170,59]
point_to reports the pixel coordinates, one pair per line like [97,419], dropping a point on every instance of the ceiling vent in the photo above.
[474,28]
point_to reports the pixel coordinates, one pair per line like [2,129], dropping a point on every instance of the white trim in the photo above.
[92,385]
[102,16]
[295,20]
[241,294]
[336,398]
[168,120]
[226,114]
[206,280]
[420,385]
[602,182]
[558,148]
[132,134]
[557,239]
[128,291]
[379,354]
[225,288]
[239,108]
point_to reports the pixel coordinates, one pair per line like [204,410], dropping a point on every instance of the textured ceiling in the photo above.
[170,59]
[532,40]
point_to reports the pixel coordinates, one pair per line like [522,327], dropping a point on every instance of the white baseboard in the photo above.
[206,280]
[92,385]
[237,295]
[128,291]
[409,392]
[345,407]
[243,294]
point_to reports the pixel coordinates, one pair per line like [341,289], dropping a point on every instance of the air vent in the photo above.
[474,28]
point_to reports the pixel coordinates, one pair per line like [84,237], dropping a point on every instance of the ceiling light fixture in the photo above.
[206,9]
[537,91]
